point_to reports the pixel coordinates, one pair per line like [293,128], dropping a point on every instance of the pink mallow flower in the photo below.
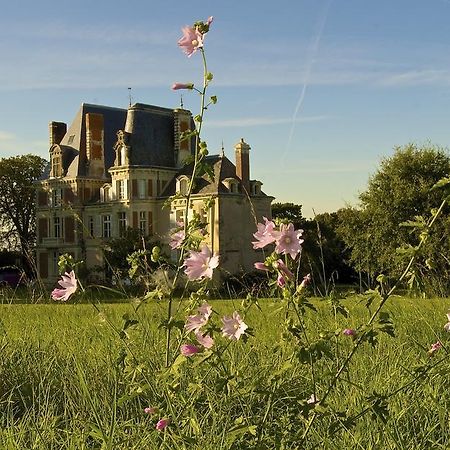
[447,325]
[150,410]
[191,40]
[261,266]
[434,348]
[288,240]
[281,281]
[204,340]
[283,269]
[233,327]
[264,235]
[68,283]
[176,239]
[349,332]
[196,321]
[200,264]
[177,86]
[162,423]
[306,280]
[189,349]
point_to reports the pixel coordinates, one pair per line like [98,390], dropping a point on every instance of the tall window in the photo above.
[57,197]
[55,260]
[121,191]
[141,188]
[91,226]
[57,227]
[122,216]
[56,164]
[143,222]
[106,226]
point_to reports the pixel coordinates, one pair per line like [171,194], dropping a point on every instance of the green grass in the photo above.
[62,377]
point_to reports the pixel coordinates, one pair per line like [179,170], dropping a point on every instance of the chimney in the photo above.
[57,131]
[182,122]
[243,163]
[95,144]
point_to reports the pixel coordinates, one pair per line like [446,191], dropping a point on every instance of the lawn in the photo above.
[71,379]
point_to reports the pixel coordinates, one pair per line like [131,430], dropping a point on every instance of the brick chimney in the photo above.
[243,163]
[182,122]
[57,131]
[95,155]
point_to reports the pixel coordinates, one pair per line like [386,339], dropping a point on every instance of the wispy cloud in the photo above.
[262,121]
[418,77]
[5,136]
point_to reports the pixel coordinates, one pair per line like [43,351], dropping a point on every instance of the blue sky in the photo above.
[320,89]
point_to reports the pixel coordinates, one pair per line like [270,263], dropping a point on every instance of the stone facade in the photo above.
[115,168]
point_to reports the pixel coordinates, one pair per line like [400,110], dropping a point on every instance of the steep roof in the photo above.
[151,135]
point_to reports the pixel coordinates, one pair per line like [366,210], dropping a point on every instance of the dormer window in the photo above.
[255,187]
[105,193]
[56,162]
[182,185]
[232,185]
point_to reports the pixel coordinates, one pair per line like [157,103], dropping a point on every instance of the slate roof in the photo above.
[151,139]
[223,168]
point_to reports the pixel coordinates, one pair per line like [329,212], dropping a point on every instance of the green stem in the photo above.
[384,299]
[197,159]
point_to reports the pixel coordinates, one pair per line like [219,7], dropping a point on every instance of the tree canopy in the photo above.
[399,191]
[17,206]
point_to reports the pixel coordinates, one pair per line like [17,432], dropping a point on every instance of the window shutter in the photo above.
[150,223]
[69,229]
[42,198]
[150,188]
[43,265]
[42,228]
[135,220]
[134,188]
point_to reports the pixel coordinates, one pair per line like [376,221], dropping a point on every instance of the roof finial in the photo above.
[222,151]
[181,101]
[129,96]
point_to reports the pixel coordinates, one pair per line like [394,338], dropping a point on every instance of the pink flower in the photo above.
[288,240]
[261,266]
[306,281]
[162,423]
[233,327]
[434,348]
[150,410]
[205,310]
[264,235]
[176,239]
[349,332]
[209,21]
[201,264]
[281,281]
[191,40]
[189,349]
[177,86]
[68,283]
[195,322]
[204,340]
[283,269]
[447,325]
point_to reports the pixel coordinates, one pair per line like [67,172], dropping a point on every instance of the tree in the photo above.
[288,211]
[399,191]
[17,206]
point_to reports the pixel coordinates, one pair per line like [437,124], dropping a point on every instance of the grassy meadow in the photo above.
[68,380]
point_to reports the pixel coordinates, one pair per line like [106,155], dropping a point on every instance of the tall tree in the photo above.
[399,191]
[17,205]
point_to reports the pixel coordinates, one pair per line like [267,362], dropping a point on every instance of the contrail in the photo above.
[310,61]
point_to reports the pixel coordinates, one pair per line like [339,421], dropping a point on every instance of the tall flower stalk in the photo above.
[192,41]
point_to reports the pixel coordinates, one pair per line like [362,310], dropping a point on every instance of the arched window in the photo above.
[182,185]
